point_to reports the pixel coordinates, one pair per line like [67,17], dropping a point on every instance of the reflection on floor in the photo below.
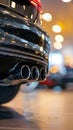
[43,109]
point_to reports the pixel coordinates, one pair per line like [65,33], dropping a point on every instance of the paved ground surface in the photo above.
[41,110]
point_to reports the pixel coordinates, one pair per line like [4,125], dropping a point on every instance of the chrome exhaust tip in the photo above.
[25,72]
[42,73]
[35,73]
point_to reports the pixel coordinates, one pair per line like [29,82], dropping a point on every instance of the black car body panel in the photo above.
[24,46]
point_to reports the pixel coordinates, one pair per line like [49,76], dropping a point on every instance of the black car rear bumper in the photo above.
[20,47]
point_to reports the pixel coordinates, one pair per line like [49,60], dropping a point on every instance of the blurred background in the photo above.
[48,105]
[57,21]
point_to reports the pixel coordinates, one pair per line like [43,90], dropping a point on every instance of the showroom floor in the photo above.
[41,110]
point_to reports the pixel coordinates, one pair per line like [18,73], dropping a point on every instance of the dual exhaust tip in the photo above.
[33,73]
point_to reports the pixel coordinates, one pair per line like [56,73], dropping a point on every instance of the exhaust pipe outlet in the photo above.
[25,72]
[35,73]
[42,74]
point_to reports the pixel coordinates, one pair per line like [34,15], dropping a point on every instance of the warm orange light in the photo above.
[57,45]
[68,60]
[54,69]
[47,17]
[56,28]
[59,38]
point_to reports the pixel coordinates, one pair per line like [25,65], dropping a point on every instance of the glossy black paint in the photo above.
[21,40]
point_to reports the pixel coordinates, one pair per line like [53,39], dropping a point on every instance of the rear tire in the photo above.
[8,93]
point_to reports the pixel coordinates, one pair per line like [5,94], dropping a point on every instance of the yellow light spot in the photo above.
[54,69]
[57,45]
[56,28]
[59,38]
[47,17]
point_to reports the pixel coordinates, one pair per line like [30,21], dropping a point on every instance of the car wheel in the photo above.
[8,93]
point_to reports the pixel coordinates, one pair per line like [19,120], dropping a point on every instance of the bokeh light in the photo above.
[59,38]
[66,0]
[57,45]
[47,17]
[56,28]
